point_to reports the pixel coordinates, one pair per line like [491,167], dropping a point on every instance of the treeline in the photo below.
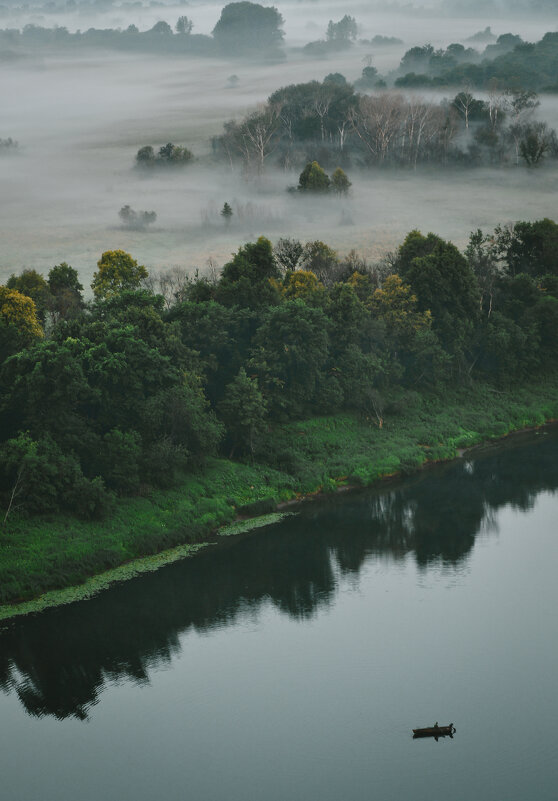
[243,28]
[510,63]
[131,389]
[328,122]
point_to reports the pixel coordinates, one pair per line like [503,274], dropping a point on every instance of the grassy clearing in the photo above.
[322,454]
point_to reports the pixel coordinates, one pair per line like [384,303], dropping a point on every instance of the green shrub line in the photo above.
[45,560]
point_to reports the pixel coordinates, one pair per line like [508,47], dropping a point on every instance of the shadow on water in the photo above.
[58,662]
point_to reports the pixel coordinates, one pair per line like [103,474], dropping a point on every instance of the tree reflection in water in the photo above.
[58,662]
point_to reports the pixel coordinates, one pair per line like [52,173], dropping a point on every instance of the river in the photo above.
[292,664]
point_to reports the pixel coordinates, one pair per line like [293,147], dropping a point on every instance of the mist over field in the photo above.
[79,118]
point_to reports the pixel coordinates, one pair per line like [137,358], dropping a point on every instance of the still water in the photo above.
[292,664]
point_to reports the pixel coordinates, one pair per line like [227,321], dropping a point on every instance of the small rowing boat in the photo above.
[435,731]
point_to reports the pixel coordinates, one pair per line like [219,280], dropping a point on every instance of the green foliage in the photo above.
[340,184]
[320,259]
[66,298]
[122,395]
[529,247]
[290,347]
[313,179]
[445,285]
[32,284]
[245,281]
[37,477]
[169,155]
[117,271]
[243,411]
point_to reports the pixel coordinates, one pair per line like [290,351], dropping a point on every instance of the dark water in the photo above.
[294,663]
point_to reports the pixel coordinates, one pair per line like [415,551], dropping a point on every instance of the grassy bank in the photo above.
[49,553]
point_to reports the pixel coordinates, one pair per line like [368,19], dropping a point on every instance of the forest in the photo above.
[330,123]
[132,389]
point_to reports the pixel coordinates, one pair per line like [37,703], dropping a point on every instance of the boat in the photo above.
[435,731]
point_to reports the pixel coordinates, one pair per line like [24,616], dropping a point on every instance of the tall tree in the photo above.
[117,271]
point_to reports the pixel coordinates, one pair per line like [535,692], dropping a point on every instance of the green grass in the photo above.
[42,554]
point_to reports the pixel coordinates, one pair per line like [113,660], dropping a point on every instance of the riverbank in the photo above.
[325,454]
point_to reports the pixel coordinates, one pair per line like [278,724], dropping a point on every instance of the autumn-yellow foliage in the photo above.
[20,311]
[397,306]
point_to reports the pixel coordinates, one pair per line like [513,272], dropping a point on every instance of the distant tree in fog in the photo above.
[344,30]
[145,156]
[340,184]
[368,78]
[254,139]
[313,179]
[336,78]
[7,145]
[168,155]
[536,142]
[184,25]
[226,214]
[249,27]
[161,28]
[136,220]
[174,154]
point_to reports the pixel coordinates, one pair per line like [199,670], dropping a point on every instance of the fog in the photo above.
[79,120]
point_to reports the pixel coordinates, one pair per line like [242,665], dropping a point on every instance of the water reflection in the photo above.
[59,661]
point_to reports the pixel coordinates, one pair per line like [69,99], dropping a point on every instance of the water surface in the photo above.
[293,664]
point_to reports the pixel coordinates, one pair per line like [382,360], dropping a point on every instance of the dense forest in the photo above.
[128,390]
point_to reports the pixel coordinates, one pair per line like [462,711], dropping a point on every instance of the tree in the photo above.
[304,285]
[535,142]
[184,25]
[226,214]
[36,474]
[161,28]
[368,78]
[468,107]
[117,271]
[397,306]
[340,184]
[313,179]
[288,253]
[248,27]
[446,286]
[33,285]
[346,30]
[145,157]
[320,259]
[483,258]
[243,411]
[19,310]
[245,280]
[529,247]
[289,351]
[174,154]
[136,220]
[65,290]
